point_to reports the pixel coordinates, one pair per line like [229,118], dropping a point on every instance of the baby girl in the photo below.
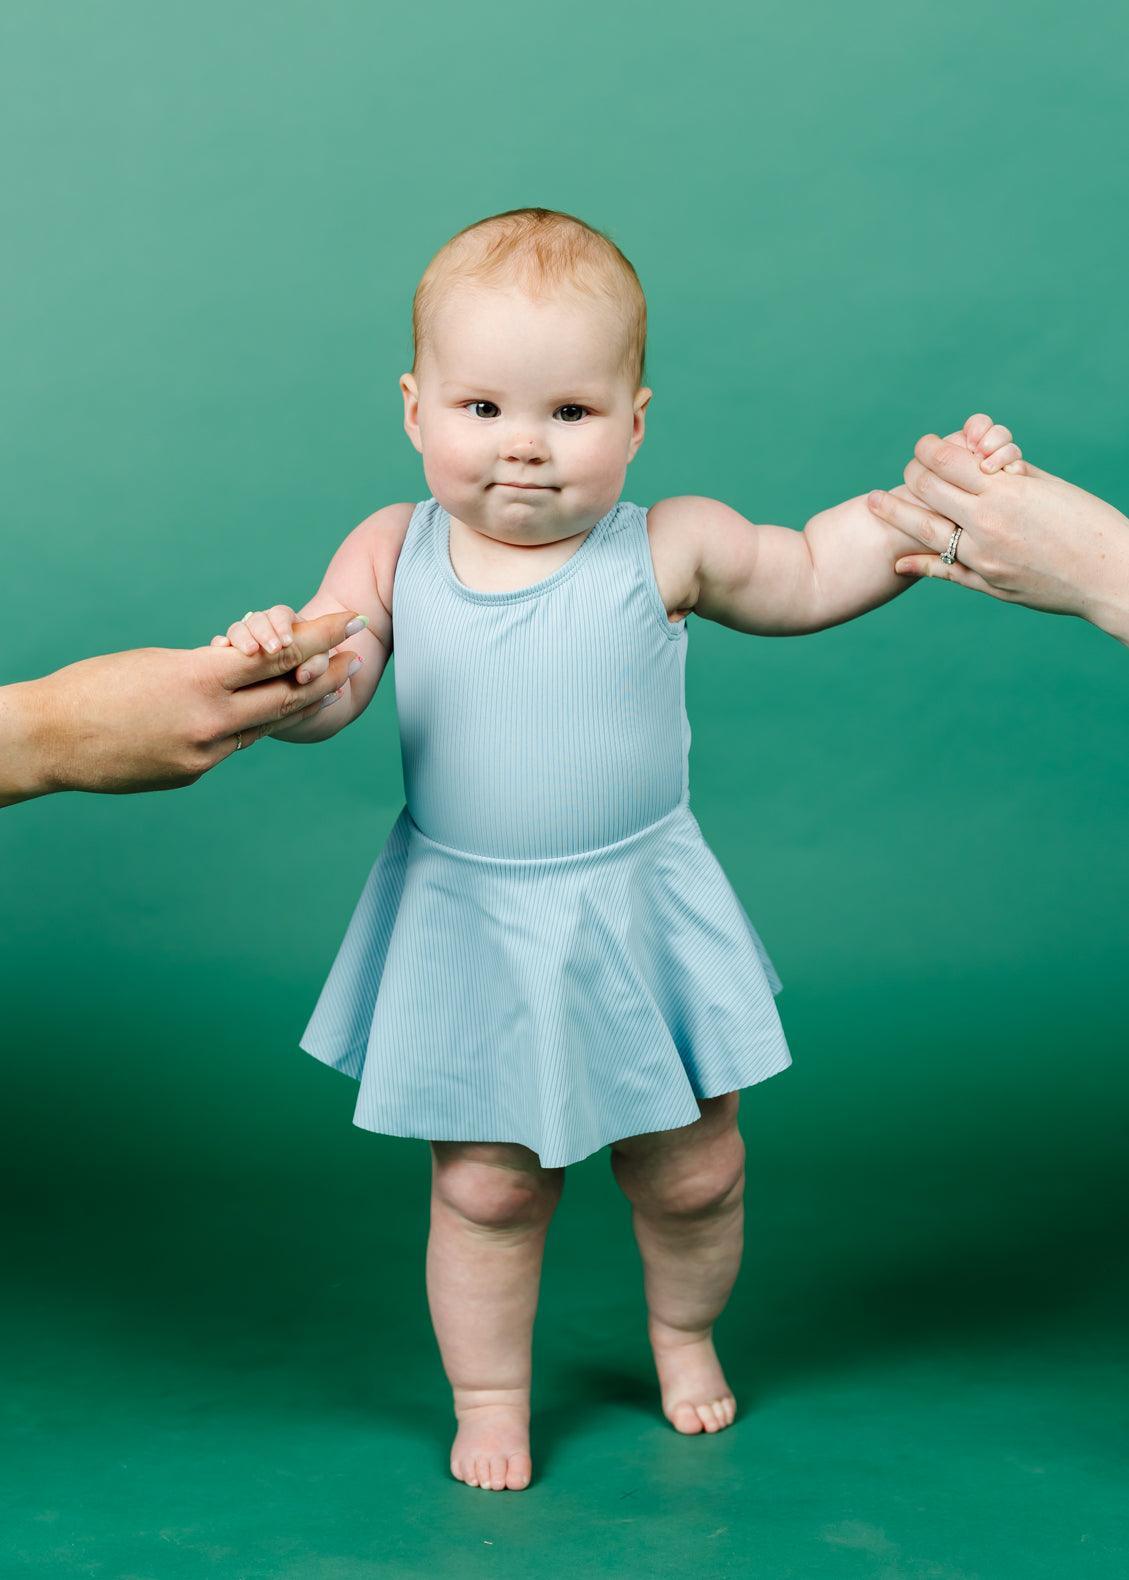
[546,957]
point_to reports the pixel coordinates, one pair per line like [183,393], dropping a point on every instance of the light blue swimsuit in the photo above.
[546,950]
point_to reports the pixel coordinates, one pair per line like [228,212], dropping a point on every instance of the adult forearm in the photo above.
[156,718]
[27,743]
[1103,590]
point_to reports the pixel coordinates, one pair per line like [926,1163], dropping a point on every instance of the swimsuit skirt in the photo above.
[546,951]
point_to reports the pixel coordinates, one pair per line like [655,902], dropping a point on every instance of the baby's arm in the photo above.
[772,581]
[358,577]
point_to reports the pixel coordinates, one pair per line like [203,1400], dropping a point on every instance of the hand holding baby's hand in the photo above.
[270,629]
[991,442]
[947,498]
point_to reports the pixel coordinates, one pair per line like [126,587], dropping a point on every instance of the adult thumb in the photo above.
[311,637]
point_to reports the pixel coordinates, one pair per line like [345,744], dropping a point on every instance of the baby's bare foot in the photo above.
[491,1447]
[695,1393]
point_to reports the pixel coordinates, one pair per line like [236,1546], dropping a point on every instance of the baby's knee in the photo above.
[687,1185]
[496,1195]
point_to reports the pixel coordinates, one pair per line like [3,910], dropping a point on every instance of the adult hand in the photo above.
[1028,536]
[157,718]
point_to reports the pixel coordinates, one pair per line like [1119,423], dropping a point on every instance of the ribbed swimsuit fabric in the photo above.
[545,951]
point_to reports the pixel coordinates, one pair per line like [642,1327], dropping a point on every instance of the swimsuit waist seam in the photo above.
[683,805]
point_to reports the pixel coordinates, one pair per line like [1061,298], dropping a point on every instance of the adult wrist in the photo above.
[28,742]
[1113,618]
[1105,602]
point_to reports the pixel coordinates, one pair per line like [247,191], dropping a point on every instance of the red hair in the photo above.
[540,250]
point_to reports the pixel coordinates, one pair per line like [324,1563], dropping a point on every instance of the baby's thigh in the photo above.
[492,1177]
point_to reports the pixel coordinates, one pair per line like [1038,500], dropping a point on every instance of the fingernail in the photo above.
[287,639]
[357,623]
[875,499]
[272,645]
[302,676]
[333,696]
[354,666]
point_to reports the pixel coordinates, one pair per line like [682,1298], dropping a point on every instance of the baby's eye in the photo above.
[568,407]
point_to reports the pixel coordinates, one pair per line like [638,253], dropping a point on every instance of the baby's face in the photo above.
[512,391]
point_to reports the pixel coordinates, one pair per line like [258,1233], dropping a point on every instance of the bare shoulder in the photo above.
[675,527]
[385,530]
[689,534]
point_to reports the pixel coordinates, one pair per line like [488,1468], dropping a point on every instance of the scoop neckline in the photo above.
[442,538]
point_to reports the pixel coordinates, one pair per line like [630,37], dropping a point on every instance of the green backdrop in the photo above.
[853,226]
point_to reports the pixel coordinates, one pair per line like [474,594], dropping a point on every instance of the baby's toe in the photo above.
[520,1471]
[498,1472]
[686,1418]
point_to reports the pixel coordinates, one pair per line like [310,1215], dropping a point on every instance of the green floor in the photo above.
[221,1362]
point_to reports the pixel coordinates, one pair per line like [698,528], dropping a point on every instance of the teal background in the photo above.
[854,225]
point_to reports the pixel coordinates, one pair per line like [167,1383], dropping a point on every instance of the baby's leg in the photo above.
[491,1203]
[686,1189]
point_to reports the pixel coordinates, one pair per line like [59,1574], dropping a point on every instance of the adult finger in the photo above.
[311,667]
[333,695]
[944,499]
[258,708]
[951,463]
[931,565]
[911,518]
[310,637]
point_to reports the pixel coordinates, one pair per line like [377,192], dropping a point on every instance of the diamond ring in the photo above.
[950,554]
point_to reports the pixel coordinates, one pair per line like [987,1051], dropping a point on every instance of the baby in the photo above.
[546,957]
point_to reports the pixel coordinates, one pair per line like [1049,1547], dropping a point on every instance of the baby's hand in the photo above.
[271,628]
[991,442]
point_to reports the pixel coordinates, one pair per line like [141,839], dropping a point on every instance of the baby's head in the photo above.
[529,332]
